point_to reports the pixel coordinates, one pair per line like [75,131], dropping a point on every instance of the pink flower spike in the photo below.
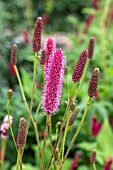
[53,85]
[49,47]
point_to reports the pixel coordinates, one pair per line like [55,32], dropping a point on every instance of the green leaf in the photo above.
[83,167]
[26,166]
[67,164]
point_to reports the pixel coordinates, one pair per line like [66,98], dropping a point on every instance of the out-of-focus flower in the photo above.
[96,95]
[108,164]
[93,156]
[95,126]
[75,161]
[95,4]
[11,66]
[26,36]
[45,20]
[6,120]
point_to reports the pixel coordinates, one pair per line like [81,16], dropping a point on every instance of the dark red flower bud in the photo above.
[13,58]
[43,57]
[79,68]
[94,82]
[93,156]
[74,115]
[22,133]
[36,42]
[91,47]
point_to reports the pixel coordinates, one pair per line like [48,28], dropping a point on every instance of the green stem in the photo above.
[3,150]
[45,138]
[18,159]
[8,111]
[64,136]
[94,166]
[37,110]
[26,104]
[50,133]
[82,78]
[78,130]
[33,87]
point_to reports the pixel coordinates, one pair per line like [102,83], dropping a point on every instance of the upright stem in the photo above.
[94,166]
[37,110]
[18,158]
[33,87]
[45,138]
[26,104]
[78,130]
[3,149]
[82,78]
[8,111]
[50,133]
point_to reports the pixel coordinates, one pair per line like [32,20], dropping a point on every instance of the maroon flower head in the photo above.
[91,47]
[94,82]
[36,42]
[79,68]
[22,133]
[93,156]
[95,126]
[13,58]
[43,57]
[108,164]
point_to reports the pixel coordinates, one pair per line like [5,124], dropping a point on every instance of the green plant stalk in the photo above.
[18,158]
[8,111]
[103,37]
[64,136]
[33,87]
[94,166]
[82,78]
[3,150]
[45,138]
[77,131]
[50,133]
[58,137]
[26,104]
[37,110]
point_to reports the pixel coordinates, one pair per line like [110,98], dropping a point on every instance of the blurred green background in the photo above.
[72,23]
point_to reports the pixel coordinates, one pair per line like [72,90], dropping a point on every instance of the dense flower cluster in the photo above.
[53,85]
[79,68]
[91,47]
[22,133]
[13,58]
[36,42]
[93,156]
[94,82]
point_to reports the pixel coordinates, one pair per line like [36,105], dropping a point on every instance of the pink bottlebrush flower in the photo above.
[108,164]
[49,47]
[91,47]
[94,82]
[93,156]
[26,35]
[74,163]
[95,126]
[11,66]
[54,82]
[79,68]
[36,42]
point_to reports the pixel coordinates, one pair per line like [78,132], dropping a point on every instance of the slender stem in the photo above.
[21,87]
[82,78]
[64,136]
[94,166]
[33,87]
[67,86]
[3,150]
[37,110]
[58,137]
[50,133]
[8,111]
[26,104]
[18,158]
[78,130]
[45,137]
